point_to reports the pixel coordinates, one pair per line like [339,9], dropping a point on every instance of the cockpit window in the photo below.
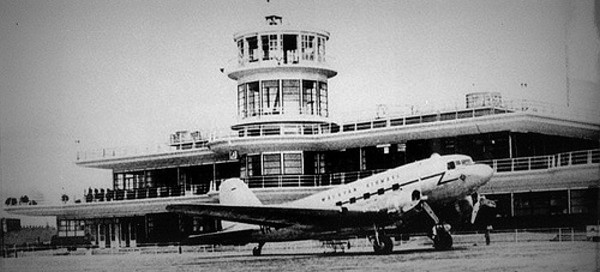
[467,161]
[457,162]
[451,165]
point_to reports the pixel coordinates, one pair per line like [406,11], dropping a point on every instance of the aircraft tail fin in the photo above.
[235,192]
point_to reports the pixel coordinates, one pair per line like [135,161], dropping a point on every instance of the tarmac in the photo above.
[501,256]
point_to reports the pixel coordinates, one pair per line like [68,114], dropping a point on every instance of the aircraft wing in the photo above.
[282,216]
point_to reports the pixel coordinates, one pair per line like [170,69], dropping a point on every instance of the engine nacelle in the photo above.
[397,202]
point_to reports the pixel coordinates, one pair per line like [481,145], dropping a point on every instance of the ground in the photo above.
[502,256]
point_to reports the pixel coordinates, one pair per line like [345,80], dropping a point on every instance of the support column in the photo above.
[117,233]
[512,204]
[510,145]
[260,54]
[298,50]
[569,201]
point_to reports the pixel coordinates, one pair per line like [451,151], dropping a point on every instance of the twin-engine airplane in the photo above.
[362,208]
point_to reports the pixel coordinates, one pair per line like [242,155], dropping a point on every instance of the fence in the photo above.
[416,240]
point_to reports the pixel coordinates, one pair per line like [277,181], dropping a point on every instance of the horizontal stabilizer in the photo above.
[229,237]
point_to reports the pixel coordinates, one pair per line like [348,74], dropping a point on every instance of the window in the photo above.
[451,165]
[71,228]
[240,44]
[308,47]
[584,201]
[272,164]
[253,165]
[269,47]
[271,103]
[321,49]
[292,163]
[323,104]
[309,97]
[291,96]
[319,163]
[253,98]
[252,49]
[119,182]
[243,169]
[290,48]
[242,100]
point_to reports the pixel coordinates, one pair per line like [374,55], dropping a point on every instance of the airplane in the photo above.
[362,208]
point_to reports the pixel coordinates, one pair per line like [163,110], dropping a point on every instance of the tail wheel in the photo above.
[384,246]
[442,241]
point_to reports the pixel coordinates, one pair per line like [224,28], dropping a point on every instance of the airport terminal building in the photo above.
[285,146]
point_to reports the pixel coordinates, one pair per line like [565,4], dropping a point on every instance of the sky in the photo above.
[83,75]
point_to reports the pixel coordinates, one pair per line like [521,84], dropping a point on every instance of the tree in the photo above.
[64,198]
[24,200]
[11,201]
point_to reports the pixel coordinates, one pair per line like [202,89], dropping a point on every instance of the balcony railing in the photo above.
[308,180]
[378,123]
[385,120]
[562,160]
[101,195]
[545,162]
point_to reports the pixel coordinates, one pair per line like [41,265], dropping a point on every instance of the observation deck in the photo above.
[282,48]
[519,116]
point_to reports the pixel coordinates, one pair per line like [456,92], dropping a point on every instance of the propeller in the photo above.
[476,205]
[479,200]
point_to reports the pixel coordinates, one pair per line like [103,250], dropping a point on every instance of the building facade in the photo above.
[285,146]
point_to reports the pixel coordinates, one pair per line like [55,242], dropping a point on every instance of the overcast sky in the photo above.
[129,73]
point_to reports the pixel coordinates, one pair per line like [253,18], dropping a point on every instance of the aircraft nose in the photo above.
[484,172]
[481,172]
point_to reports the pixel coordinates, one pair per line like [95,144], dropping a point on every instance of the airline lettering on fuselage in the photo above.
[395,187]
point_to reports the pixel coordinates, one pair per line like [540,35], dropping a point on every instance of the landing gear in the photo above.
[382,244]
[440,234]
[256,251]
[442,240]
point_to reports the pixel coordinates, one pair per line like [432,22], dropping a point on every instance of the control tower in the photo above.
[281,73]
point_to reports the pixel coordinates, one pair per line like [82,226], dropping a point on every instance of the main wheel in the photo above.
[384,246]
[442,241]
